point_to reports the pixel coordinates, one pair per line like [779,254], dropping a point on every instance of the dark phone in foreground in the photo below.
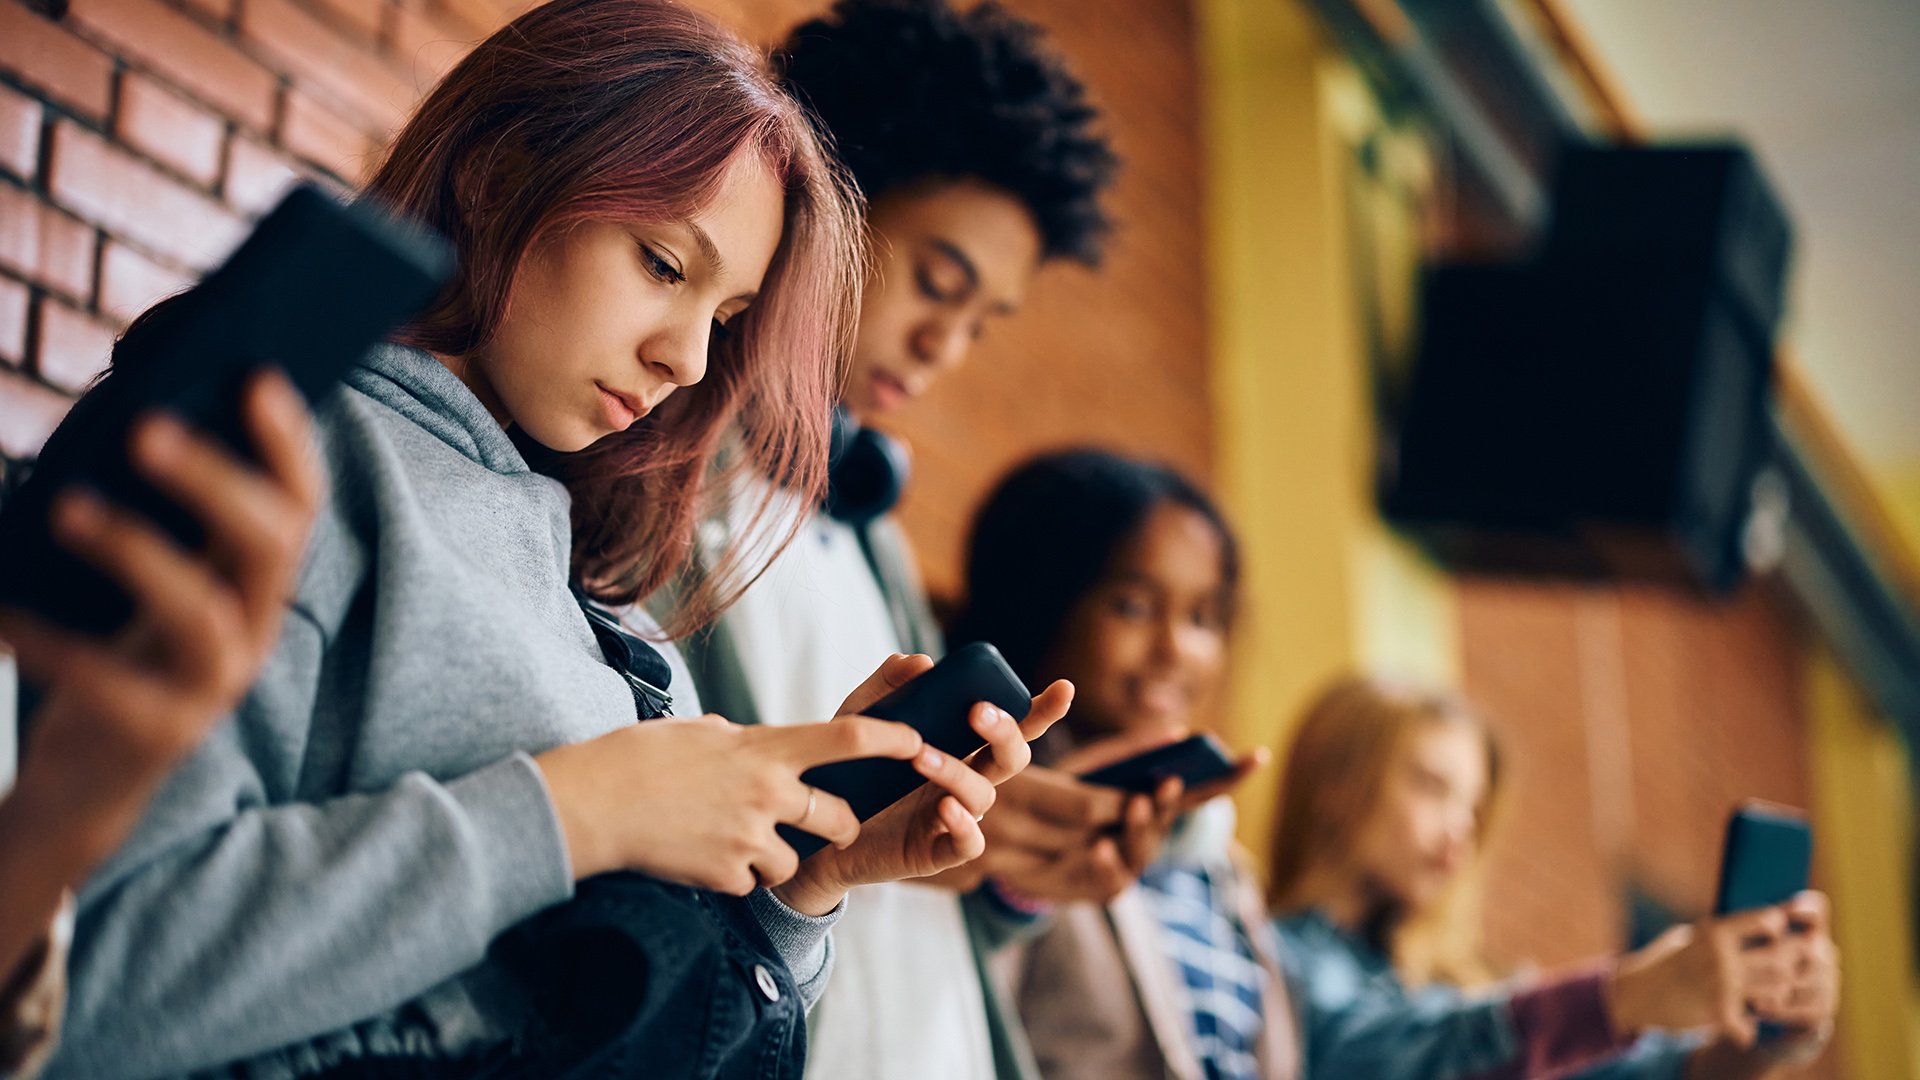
[1767,860]
[316,285]
[1198,760]
[936,705]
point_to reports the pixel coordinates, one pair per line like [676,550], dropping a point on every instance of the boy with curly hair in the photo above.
[982,161]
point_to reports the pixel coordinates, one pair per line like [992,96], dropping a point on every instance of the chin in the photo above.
[567,439]
[1427,893]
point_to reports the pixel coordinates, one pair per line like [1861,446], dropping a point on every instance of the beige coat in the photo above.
[1101,1001]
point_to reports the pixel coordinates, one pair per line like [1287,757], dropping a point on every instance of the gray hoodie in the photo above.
[321,879]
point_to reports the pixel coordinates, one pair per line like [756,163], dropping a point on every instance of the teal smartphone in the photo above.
[1767,859]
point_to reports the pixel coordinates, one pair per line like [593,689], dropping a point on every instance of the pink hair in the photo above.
[634,111]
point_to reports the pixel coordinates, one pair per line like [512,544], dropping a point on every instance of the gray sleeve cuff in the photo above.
[803,941]
[518,833]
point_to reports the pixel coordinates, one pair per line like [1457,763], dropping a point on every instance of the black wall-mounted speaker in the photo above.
[1598,411]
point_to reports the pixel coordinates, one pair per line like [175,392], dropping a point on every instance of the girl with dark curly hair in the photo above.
[1122,575]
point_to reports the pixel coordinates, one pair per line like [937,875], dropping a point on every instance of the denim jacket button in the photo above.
[764,979]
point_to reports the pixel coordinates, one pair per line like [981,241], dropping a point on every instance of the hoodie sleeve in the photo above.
[313,914]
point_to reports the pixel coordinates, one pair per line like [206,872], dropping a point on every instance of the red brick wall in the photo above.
[1118,357]
[137,136]
[1633,719]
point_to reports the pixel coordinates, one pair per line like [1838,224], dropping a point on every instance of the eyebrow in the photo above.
[952,251]
[711,252]
[708,249]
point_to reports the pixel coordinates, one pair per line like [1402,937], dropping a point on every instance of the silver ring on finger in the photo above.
[813,796]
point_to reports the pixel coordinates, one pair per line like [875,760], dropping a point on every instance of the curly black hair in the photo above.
[914,90]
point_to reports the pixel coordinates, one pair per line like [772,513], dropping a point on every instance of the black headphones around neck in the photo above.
[867,471]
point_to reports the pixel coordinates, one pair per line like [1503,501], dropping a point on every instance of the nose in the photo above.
[1462,825]
[942,342]
[1179,639]
[677,353]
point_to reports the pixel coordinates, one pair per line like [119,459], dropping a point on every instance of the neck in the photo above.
[468,372]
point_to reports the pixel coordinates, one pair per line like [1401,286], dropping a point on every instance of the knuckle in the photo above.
[287,536]
[785,864]
[763,790]
[738,847]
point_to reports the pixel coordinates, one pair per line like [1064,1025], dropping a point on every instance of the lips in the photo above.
[1159,696]
[889,392]
[622,410]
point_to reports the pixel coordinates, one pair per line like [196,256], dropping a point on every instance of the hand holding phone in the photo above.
[936,826]
[1767,860]
[937,704]
[316,285]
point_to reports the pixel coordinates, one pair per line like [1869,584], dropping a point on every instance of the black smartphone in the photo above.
[314,287]
[1197,760]
[936,705]
[1767,859]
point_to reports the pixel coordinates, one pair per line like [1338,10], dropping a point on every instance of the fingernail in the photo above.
[282,399]
[930,758]
[79,511]
[160,439]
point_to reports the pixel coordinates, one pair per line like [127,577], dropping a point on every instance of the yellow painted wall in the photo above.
[1863,850]
[1898,484]
[1327,588]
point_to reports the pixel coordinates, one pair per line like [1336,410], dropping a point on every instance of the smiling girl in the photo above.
[653,249]
[1122,576]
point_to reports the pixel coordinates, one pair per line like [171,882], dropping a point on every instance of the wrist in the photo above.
[1623,991]
[63,825]
[813,890]
[587,850]
[1794,1048]
[1016,901]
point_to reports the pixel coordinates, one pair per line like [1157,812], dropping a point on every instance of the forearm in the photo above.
[50,840]
[316,915]
[1552,1027]
[995,922]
